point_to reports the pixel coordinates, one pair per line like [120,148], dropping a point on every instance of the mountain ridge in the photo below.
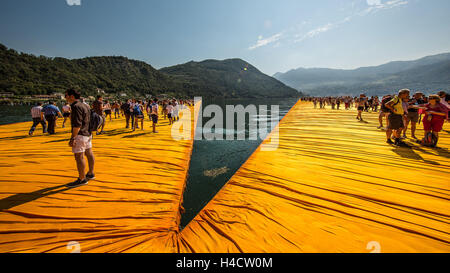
[375,80]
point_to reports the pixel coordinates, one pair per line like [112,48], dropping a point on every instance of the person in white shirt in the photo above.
[38,117]
[107,109]
[66,113]
[176,108]
[169,110]
[154,113]
[443,95]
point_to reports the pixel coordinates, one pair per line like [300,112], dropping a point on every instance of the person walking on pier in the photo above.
[116,108]
[108,112]
[361,106]
[413,114]
[66,113]
[138,113]
[38,118]
[176,110]
[51,113]
[98,108]
[126,111]
[81,139]
[169,111]
[154,113]
[396,117]
[435,115]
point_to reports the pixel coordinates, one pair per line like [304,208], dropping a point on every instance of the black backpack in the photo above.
[386,100]
[383,103]
[95,121]
[430,140]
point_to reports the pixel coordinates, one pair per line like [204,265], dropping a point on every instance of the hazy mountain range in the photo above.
[428,74]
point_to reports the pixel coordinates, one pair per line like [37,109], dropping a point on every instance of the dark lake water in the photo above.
[213,162]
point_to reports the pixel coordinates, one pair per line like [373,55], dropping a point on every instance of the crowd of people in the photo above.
[400,111]
[87,119]
[133,110]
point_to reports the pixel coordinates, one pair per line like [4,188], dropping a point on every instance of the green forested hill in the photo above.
[25,74]
[229,78]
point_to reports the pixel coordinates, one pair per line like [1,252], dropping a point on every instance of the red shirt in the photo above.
[440,108]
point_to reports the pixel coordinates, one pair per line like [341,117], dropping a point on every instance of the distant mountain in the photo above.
[25,74]
[230,78]
[427,74]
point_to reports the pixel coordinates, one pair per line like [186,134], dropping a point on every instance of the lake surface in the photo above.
[213,162]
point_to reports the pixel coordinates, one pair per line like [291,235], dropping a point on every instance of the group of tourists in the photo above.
[86,119]
[400,111]
[132,110]
[348,102]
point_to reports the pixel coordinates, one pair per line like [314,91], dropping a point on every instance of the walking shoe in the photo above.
[77,183]
[389,141]
[90,177]
[403,144]
[400,143]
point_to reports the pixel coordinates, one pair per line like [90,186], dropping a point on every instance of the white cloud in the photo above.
[263,42]
[315,32]
[296,33]
[377,5]
[373,2]
[73,2]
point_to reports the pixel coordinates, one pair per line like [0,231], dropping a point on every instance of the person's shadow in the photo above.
[409,153]
[23,198]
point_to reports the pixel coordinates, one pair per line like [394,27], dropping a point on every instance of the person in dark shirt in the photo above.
[413,114]
[98,108]
[51,114]
[126,111]
[81,139]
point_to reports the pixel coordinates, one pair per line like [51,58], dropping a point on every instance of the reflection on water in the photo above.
[17,113]
[210,158]
[11,114]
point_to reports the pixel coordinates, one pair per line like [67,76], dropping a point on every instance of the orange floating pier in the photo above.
[135,199]
[332,185]
[329,184]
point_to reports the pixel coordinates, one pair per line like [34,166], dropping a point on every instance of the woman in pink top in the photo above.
[435,115]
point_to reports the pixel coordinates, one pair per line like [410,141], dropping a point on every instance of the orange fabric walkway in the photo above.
[333,185]
[135,198]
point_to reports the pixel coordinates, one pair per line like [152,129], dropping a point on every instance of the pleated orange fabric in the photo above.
[332,185]
[321,182]
[135,198]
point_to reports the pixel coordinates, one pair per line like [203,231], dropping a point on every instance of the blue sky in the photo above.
[274,36]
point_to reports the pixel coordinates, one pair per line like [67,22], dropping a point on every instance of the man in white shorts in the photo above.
[81,140]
